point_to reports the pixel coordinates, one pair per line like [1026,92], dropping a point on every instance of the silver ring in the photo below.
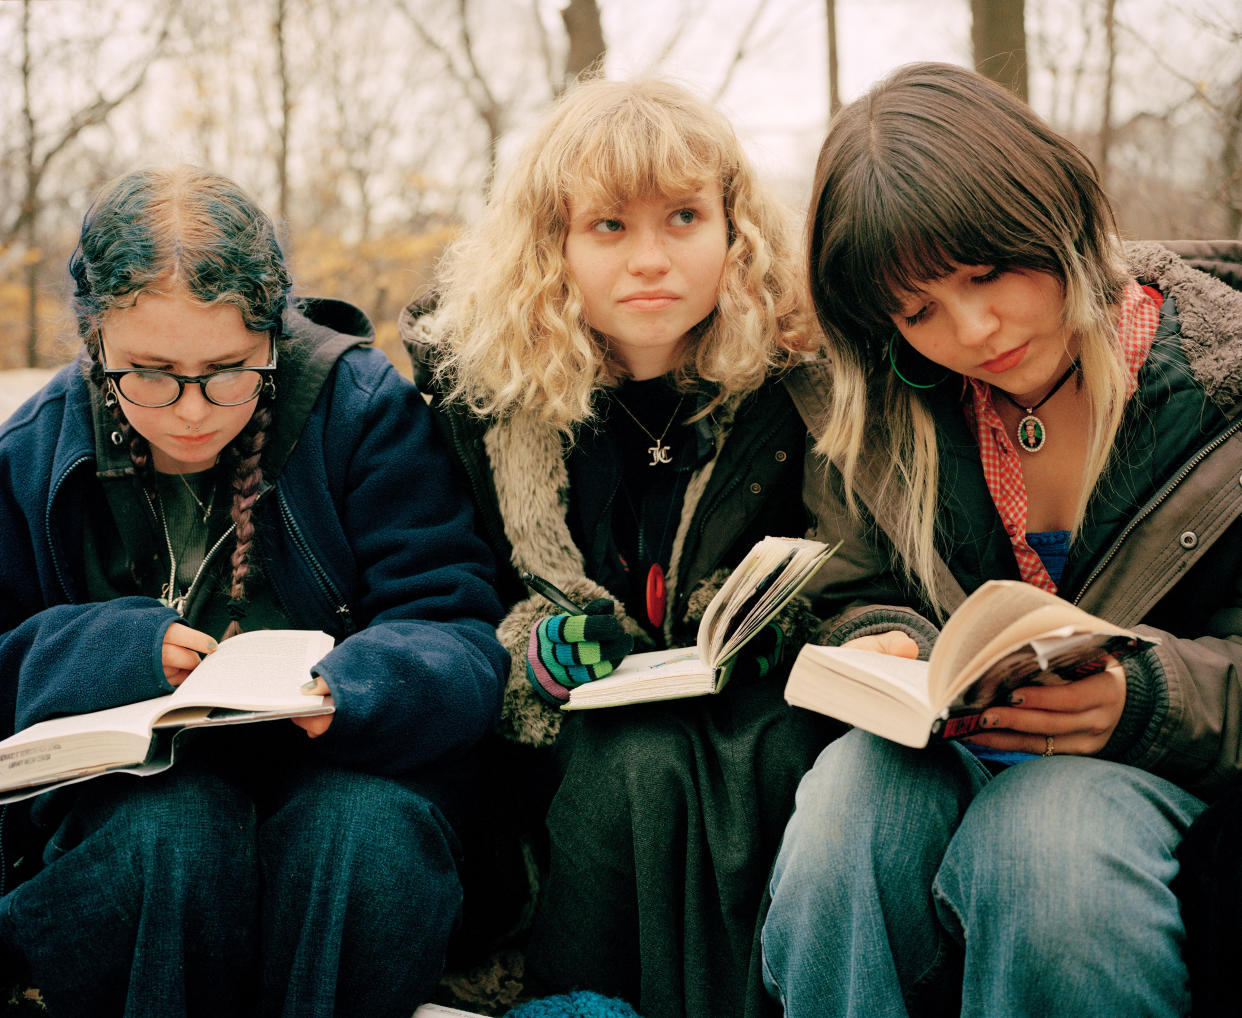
[1048,746]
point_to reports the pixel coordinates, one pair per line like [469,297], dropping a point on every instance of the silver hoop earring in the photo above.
[269,389]
[110,400]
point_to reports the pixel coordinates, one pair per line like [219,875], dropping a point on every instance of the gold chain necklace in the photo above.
[660,452]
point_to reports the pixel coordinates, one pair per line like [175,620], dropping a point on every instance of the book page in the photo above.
[987,611]
[998,614]
[263,670]
[770,574]
[255,671]
[133,718]
[895,676]
[884,694]
[650,675]
[1052,658]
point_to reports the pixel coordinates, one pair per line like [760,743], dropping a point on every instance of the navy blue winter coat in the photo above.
[362,531]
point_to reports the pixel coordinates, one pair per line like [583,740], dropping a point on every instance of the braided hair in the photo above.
[185,230]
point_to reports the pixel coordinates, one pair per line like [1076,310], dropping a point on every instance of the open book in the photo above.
[251,677]
[1006,634]
[769,575]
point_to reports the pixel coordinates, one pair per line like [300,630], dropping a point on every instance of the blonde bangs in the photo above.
[611,175]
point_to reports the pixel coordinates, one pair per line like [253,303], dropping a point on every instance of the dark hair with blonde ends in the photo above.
[935,167]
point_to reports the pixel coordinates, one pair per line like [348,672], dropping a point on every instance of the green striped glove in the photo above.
[763,652]
[568,650]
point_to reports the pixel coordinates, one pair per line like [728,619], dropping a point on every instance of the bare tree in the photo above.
[1199,113]
[43,145]
[279,18]
[748,41]
[1230,192]
[1110,77]
[834,87]
[586,38]
[998,40]
[458,57]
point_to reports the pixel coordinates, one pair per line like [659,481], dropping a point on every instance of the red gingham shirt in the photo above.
[1002,465]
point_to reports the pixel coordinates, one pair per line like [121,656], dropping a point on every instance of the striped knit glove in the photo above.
[568,650]
[763,651]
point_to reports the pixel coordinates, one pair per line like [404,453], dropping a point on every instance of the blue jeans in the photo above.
[327,893]
[914,882]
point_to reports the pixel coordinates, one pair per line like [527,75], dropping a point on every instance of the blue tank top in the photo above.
[1052,547]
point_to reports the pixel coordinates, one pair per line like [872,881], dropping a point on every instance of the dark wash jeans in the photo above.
[317,891]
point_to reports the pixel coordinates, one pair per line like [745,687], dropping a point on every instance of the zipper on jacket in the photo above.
[47,524]
[178,603]
[325,581]
[4,857]
[482,498]
[1156,501]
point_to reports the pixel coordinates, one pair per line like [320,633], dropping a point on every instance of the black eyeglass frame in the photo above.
[116,374]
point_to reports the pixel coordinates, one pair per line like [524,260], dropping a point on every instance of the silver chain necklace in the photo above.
[660,452]
[211,499]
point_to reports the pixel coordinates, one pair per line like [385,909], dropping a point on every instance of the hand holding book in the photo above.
[764,582]
[314,725]
[566,651]
[182,651]
[1076,718]
[253,677]
[1081,714]
[1007,636]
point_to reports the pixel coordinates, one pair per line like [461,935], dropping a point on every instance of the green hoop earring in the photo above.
[892,360]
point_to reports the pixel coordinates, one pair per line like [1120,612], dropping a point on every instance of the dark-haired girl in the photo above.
[223,459]
[1015,394]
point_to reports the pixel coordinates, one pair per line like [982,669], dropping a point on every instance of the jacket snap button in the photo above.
[117,438]
[781,455]
[1188,539]
[755,487]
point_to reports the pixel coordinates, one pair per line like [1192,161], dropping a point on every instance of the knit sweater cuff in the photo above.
[880,619]
[1147,703]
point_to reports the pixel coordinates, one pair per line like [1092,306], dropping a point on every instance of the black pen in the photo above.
[553,593]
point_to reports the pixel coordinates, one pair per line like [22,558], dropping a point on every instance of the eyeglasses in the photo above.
[153,388]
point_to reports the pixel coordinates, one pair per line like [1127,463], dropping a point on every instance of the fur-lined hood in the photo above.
[1210,314]
[421,330]
[526,459]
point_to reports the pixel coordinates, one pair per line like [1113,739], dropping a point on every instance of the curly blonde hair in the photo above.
[517,336]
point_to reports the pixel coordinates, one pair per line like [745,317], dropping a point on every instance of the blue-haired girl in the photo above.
[221,459]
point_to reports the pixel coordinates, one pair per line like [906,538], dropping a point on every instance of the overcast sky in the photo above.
[778,97]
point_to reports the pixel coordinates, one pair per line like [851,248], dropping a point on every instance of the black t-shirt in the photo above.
[628,478]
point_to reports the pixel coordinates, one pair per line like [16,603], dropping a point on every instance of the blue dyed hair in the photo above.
[183,230]
[177,229]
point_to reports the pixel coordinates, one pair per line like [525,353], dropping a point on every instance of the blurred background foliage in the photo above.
[372,131]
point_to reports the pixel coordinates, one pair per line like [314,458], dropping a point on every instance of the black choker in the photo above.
[1031,432]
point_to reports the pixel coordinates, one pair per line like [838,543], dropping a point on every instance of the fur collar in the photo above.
[1210,315]
[527,459]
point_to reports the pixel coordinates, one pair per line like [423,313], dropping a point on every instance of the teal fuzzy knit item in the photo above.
[579,1004]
